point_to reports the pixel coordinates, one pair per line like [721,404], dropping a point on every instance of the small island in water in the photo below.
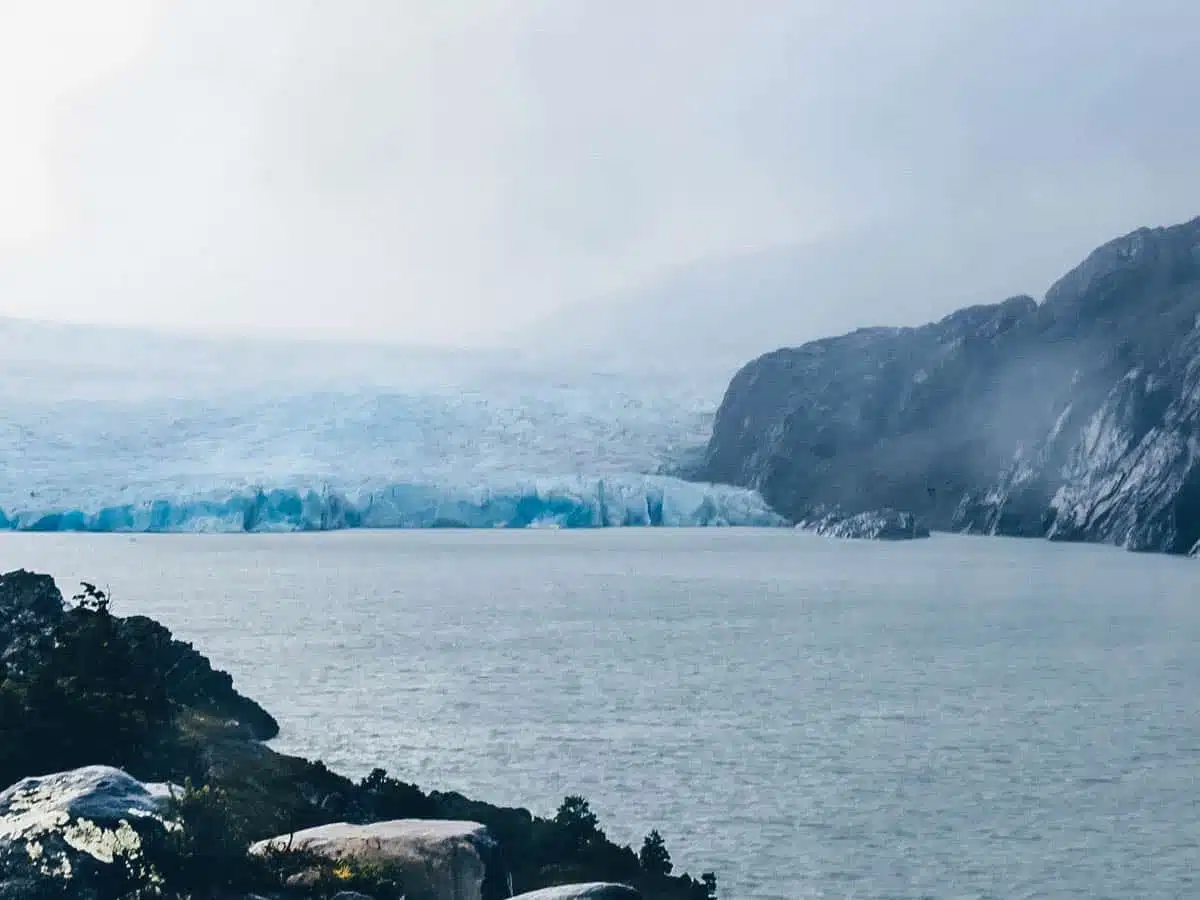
[138,771]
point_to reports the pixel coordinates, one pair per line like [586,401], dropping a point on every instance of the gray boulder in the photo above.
[433,859]
[78,834]
[594,891]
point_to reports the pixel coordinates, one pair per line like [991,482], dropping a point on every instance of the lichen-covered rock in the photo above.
[875,525]
[1076,419]
[434,860]
[593,891]
[79,834]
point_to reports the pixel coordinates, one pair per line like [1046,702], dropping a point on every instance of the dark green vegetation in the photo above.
[1075,418]
[80,686]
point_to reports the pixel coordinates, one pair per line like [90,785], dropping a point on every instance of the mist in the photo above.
[497,172]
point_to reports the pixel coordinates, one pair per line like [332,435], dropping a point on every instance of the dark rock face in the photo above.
[30,608]
[1076,419]
[875,525]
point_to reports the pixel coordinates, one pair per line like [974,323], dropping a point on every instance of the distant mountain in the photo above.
[721,311]
[1076,419]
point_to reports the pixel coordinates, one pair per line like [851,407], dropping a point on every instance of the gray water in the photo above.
[955,718]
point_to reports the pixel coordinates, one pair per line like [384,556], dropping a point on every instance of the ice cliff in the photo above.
[1077,418]
[629,501]
[104,430]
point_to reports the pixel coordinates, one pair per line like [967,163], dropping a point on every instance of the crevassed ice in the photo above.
[627,501]
[115,431]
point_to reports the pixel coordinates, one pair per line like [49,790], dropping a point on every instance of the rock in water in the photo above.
[436,860]
[77,834]
[1074,419]
[876,525]
[594,891]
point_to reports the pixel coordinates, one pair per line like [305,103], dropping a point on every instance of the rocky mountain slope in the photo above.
[1075,419]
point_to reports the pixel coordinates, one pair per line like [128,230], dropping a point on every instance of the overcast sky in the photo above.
[447,172]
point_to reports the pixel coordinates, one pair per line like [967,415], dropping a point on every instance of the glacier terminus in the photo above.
[107,430]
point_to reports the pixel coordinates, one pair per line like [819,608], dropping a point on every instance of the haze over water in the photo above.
[952,718]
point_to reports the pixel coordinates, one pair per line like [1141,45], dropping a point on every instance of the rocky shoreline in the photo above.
[138,771]
[874,525]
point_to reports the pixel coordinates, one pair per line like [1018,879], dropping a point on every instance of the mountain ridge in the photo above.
[1077,418]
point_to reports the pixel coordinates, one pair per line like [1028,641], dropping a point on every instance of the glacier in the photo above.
[110,430]
[632,501]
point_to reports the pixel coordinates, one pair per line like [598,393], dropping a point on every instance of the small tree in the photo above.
[91,598]
[578,824]
[655,859]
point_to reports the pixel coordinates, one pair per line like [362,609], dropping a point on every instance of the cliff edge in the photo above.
[1077,418]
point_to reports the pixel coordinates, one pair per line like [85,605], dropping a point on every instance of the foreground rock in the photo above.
[1074,419]
[79,834]
[876,525]
[594,891]
[434,860]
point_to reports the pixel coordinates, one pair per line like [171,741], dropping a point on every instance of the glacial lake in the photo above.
[954,718]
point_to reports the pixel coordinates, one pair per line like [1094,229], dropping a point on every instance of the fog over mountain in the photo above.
[455,173]
[725,310]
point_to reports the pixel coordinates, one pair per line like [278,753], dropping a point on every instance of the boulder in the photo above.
[595,891]
[78,834]
[433,859]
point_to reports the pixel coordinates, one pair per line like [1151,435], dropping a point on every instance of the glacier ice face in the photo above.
[153,433]
[629,501]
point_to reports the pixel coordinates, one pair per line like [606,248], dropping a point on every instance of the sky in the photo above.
[453,173]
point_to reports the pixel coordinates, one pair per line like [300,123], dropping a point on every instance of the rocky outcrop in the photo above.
[78,834]
[1076,419]
[192,682]
[875,525]
[594,891]
[32,609]
[434,860]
